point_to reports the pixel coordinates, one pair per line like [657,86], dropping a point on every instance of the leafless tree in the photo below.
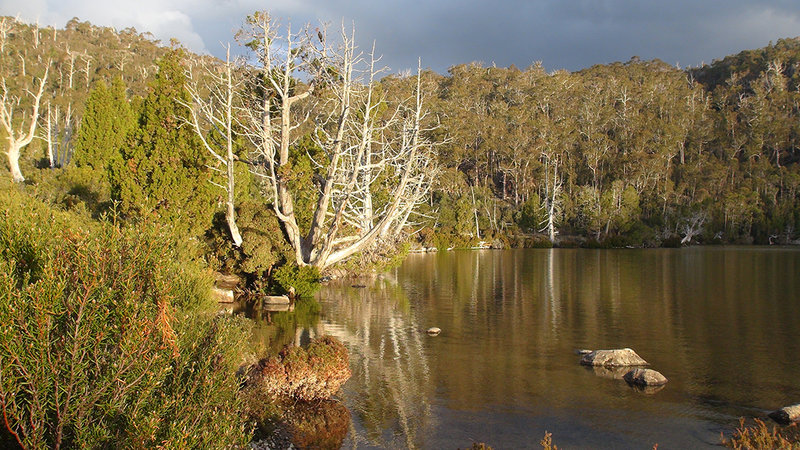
[359,149]
[6,25]
[215,111]
[58,136]
[20,133]
[693,226]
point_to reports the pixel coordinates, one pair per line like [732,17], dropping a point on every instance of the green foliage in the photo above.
[530,215]
[263,245]
[106,123]
[304,279]
[164,172]
[76,189]
[103,343]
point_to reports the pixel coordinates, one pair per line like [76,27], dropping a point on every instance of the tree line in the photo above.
[632,152]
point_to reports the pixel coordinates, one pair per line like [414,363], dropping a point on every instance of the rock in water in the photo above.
[645,377]
[434,331]
[613,358]
[222,295]
[786,415]
[582,351]
[275,300]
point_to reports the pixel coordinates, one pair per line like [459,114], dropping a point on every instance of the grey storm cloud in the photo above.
[568,34]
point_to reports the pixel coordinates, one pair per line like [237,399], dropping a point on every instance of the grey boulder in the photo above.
[786,415]
[623,357]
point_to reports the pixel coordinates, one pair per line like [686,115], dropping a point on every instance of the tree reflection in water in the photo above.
[391,384]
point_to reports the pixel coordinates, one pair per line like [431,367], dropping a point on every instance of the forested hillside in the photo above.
[636,151]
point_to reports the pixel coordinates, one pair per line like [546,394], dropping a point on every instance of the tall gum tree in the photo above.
[361,152]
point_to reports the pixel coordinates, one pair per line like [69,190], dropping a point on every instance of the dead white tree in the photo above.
[213,112]
[360,151]
[58,136]
[20,133]
[693,226]
[6,26]
[87,68]
[552,200]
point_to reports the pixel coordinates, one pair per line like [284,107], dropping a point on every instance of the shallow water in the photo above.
[721,323]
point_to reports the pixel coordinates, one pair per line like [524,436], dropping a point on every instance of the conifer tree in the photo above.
[107,120]
[164,171]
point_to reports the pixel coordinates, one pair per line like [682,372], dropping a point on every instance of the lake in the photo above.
[721,323]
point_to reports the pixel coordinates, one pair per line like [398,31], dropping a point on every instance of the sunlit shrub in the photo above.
[759,435]
[103,342]
[304,279]
[303,374]
[263,243]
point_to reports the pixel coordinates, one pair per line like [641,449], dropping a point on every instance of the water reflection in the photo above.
[390,390]
[720,323]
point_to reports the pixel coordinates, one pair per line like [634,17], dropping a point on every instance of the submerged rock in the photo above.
[613,358]
[433,331]
[609,372]
[645,377]
[786,415]
[647,390]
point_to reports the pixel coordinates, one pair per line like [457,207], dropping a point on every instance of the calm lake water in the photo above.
[722,323]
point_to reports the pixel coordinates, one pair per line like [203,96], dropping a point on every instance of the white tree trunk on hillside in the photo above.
[552,203]
[19,133]
[359,149]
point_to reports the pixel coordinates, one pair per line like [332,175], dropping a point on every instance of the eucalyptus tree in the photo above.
[336,108]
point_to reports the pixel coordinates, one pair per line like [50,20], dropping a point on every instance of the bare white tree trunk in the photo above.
[693,226]
[18,135]
[552,203]
[215,112]
[49,138]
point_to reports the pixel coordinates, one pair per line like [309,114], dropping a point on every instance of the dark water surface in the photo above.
[722,323]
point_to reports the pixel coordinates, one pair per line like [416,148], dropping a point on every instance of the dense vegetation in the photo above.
[631,153]
[107,340]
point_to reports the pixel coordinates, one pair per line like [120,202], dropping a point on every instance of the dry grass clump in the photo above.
[759,435]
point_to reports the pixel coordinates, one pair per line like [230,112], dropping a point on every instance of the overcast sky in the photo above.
[569,34]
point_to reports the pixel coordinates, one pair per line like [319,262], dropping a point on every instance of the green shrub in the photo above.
[103,342]
[304,279]
[311,374]
[263,245]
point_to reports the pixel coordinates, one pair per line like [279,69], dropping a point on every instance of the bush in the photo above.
[263,245]
[311,374]
[304,279]
[103,343]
